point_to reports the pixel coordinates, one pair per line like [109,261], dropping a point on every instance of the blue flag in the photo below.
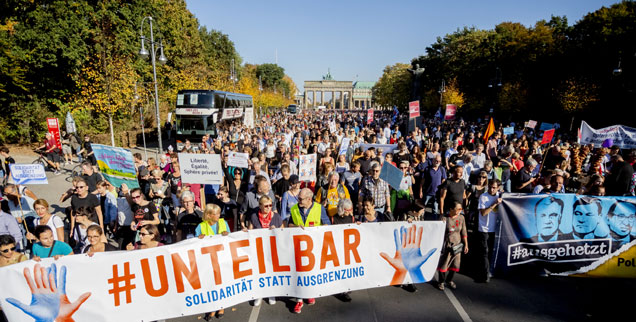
[395,115]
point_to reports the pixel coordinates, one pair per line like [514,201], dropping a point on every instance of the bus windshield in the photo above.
[195,125]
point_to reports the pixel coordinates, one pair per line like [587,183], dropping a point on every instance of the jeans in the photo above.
[507,185]
[435,204]
[486,243]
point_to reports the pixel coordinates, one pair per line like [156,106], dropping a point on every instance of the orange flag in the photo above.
[489,130]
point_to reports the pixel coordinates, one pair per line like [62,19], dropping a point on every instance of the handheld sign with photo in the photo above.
[236,159]
[307,167]
[201,168]
[116,164]
[369,116]
[28,173]
[392,175]
[344,146]
[414,109]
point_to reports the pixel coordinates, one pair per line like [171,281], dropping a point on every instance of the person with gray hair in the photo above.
[306,213]
[189,218]
[345,213]
[378,189]
[523,180]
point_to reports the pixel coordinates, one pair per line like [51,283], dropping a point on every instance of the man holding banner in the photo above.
[306,213]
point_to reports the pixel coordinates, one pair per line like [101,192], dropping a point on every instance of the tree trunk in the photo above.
[112,134]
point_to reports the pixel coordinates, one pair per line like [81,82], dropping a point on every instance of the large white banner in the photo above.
[201,168]
[623,136]
[204,275]
[307,167]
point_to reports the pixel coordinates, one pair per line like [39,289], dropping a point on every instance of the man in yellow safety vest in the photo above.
[306,213]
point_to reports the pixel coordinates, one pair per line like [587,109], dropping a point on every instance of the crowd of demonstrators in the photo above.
[450,172]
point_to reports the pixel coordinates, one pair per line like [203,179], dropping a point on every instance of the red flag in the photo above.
[547,136]
[489,130]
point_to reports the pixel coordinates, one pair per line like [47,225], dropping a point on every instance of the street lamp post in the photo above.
[141,117]
[494,84]
[162,59]
[260,94]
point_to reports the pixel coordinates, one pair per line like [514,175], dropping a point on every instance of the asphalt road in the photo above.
[517,299]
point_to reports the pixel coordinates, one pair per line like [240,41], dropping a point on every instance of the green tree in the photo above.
[393,88]
[270,74]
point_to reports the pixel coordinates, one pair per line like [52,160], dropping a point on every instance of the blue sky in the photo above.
[357,39]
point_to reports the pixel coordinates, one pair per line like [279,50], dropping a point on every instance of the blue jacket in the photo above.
[110,208]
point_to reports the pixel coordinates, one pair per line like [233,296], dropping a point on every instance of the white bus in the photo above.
[198,112]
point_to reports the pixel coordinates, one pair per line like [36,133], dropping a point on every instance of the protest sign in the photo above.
[546,126]
[54,128]
[508,130]
[204,275]
[414,109]
[116,165]
[248,119]
[392,175]
[386,148]
[236,159]
[451,109]
[369,116]
[567,234]
[547,136]
[622,136]
[28,173]
[344,146]
[531,124]
[307,167]
[201,168]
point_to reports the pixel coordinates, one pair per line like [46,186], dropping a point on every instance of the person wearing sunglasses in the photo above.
[8,253]
[84,199]
[265,218]
[145,212]
[149,237]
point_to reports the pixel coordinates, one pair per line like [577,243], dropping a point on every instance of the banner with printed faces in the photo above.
[307,167]
[567,234]
[203,275]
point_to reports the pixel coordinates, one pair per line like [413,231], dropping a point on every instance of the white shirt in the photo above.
[479,160]
[406,183]
[487,224]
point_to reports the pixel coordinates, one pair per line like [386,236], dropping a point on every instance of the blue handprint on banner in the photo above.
[49,301]
[408,256]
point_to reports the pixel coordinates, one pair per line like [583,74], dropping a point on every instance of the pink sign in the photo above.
[414,109]
[54,128]
[451,109]
[369,116]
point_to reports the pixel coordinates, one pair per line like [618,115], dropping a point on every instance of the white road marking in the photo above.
[254,313]
[457,305]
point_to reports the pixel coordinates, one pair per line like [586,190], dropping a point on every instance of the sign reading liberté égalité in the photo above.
[201,168]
